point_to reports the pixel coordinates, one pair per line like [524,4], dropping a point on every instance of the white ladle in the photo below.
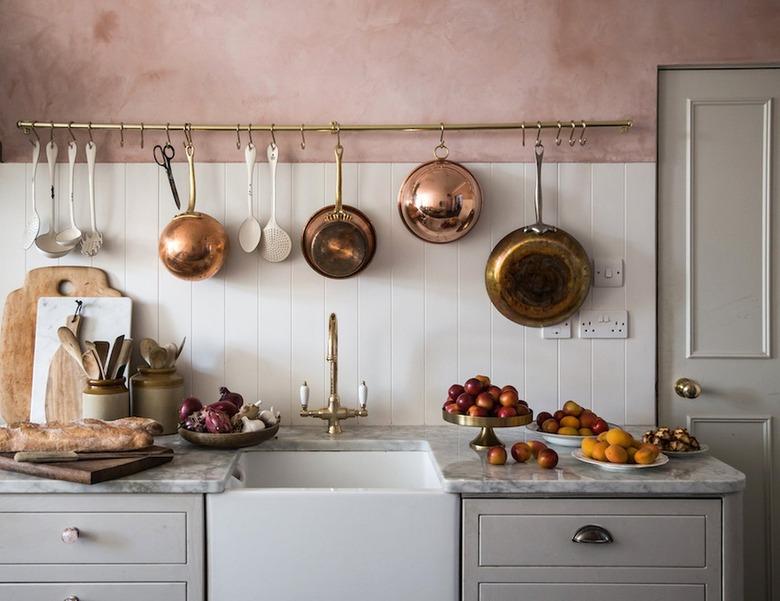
[71,236]
[276,242]
[34,225]
[47,242]
[250,232]
[92,241]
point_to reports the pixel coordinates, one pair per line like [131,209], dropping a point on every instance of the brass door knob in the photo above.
[687,388]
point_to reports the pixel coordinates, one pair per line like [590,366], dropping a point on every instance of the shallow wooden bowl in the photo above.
[234,440]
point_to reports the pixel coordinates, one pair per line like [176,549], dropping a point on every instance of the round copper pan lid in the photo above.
[440,201]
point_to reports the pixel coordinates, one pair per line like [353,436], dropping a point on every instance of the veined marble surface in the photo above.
[199,470]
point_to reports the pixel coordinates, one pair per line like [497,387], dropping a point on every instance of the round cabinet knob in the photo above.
[687,388]
[69,536]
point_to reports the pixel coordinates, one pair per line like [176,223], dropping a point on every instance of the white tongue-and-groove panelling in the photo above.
[415,321]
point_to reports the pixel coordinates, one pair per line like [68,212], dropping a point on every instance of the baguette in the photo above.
[82,435]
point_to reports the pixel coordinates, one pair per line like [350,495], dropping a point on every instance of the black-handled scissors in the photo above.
[166,153]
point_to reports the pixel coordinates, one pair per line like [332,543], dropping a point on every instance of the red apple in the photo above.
[455,391]
[495,392]
[464,401]
[473,386]
[543,417]
[547,458]
[521,452]
[447,402]
[475,411]
[536,446]
[588,419]
[452,408]
[504,412]
[550,426]
[522,410]
[496,455]
[600,426]
[485,401]
[558,415]
[508,398]
[509,387]
[522,402]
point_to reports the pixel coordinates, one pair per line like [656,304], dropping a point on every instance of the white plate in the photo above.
[561,439]
[620,467]
[684,454]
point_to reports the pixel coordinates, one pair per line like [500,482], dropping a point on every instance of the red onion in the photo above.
[218,422]
[195,422]
[233,397]
[224,406]
[188,406]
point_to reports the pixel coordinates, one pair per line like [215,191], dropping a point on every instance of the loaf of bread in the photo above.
[83,435]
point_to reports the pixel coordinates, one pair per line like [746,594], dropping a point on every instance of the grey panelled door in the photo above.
[719,284]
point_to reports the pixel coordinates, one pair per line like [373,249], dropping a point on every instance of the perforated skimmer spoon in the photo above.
[276,242]
[250,232]
[34,225]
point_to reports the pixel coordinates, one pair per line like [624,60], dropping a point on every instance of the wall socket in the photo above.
[559,330]
[603,323]
[607,273]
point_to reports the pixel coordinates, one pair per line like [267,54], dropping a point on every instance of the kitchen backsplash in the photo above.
[415,321]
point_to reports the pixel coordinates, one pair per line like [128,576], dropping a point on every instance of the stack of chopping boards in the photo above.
[17,341]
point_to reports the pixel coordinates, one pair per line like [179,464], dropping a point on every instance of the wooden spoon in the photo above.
[71,345]
[145,348]
[91,365]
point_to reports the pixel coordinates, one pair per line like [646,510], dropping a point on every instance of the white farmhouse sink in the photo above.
[334,525]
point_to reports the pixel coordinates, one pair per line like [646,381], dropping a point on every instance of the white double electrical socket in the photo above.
[603,323]
[607,273]
[559,330]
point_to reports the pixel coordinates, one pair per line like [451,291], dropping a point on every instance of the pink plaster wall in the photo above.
[364,61]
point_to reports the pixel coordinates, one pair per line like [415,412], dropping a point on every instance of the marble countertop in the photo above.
[199,470]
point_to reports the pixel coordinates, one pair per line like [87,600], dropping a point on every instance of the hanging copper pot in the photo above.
[440,201]
[193,246]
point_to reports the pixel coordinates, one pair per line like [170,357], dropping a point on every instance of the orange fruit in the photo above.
[616,454]
[602,437]
[568,431]
[599,451]
[585,432]
[616,436]
[570,422]
[587,446]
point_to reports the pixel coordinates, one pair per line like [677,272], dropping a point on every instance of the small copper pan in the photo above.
[339,240]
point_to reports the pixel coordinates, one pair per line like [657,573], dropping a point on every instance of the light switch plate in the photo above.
[559,330]
[603,323]
[608,273]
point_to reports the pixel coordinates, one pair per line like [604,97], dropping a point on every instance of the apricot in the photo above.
[570,422]
[602,437]
[616,454]
[599,451]
[646,454]
[587,446]
[585,432]
[568,431]
[631,451]
[616,436]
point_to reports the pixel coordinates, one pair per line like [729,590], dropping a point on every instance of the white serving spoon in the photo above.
[276,242]
[34,225]
[92,241]
[250,232]
[47,242]
[72,235]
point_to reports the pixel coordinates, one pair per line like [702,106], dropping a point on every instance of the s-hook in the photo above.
[249,131]
[238,137]
[122,135]
[572,141]
[142,136]
[583,140]
[273,136]
[445,152]
[558,135]
[70,131]
[303,139]
[538,134]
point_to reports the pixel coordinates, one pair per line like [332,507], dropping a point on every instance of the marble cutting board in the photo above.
[102,319]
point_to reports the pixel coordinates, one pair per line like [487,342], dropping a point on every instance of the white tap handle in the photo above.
[304,394]
[363,394]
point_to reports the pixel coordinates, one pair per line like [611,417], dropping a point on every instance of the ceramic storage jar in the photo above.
[157,394]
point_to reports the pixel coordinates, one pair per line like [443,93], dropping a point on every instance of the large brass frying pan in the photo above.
[339,240]
[538,275]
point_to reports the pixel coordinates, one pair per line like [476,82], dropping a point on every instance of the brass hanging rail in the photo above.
[332,127]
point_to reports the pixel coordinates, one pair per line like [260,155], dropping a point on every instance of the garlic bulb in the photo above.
[269,416]
[252,425]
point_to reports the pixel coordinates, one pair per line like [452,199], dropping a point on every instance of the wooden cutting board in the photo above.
[89,471]
[66,381]
[17,340]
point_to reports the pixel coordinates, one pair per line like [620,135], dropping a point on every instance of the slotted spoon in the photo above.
[276,243]
[31,231]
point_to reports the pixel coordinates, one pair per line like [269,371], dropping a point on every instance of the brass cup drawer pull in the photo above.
[71,598]
[592,534]
[70,535]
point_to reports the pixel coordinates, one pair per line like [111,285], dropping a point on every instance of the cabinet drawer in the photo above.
[109,591]
[103,538]
[645,534]
[592,592]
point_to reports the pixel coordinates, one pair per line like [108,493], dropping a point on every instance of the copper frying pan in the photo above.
[339,240]
[538,275]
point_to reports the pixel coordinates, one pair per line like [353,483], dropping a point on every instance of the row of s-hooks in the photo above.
[273,135]
[572,135]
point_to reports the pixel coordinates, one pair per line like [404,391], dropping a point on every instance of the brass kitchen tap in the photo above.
[334,412]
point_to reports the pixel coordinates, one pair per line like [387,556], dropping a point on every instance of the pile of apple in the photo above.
[479,398]
[571,420]
[522,452]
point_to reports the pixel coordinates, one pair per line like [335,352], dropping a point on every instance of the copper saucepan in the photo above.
[339,240]
[193,246]
[538,275]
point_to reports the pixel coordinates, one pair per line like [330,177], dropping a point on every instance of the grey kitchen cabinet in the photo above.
[642,549]
[102,546]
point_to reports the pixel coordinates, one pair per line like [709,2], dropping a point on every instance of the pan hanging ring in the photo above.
[441,152]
